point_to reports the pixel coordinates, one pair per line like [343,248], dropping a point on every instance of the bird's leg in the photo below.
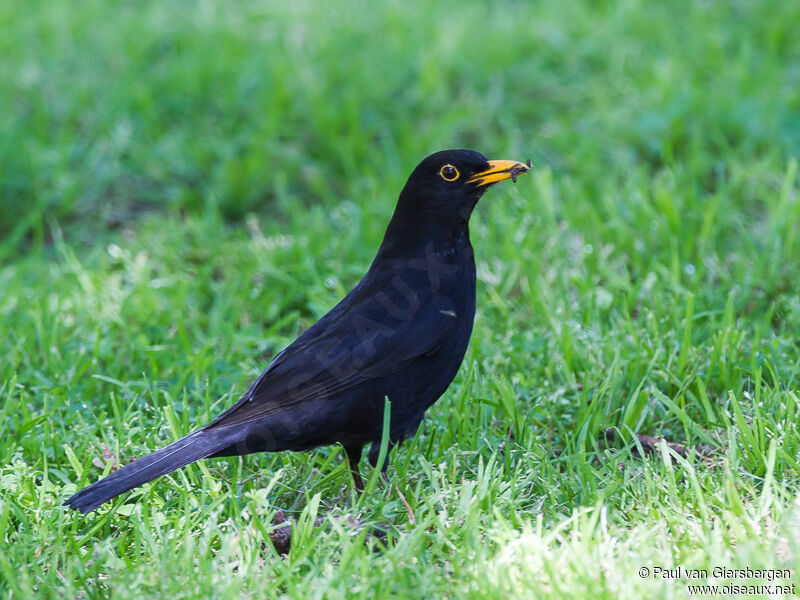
[353,454]
[374,454]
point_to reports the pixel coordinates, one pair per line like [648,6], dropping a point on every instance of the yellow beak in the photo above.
[499,170]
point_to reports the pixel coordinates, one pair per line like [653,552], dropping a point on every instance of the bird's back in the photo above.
[400,334]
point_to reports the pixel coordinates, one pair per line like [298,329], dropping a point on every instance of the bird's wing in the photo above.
[368,335]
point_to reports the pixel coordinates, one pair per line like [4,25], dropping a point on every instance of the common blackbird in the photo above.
[400,335]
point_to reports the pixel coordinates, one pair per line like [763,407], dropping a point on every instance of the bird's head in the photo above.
[449,183]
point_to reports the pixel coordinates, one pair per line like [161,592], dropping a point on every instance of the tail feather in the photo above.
[194,446]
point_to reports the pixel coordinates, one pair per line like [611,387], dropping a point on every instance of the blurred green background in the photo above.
[114,110]
[186,186]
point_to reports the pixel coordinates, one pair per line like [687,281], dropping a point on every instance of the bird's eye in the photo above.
[449,173]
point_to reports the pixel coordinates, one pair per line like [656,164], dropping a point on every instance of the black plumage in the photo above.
[400,334]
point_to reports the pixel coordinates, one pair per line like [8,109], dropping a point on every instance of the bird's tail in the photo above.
[197,445]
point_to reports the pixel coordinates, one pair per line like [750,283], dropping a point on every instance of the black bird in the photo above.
[400,334]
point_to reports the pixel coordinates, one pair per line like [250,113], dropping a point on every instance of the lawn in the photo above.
[186,186]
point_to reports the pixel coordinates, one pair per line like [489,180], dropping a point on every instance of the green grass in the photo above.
[184,187]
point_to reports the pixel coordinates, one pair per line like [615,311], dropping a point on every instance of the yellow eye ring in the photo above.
[449,173]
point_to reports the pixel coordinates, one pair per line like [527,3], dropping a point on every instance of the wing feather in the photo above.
[363,338]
